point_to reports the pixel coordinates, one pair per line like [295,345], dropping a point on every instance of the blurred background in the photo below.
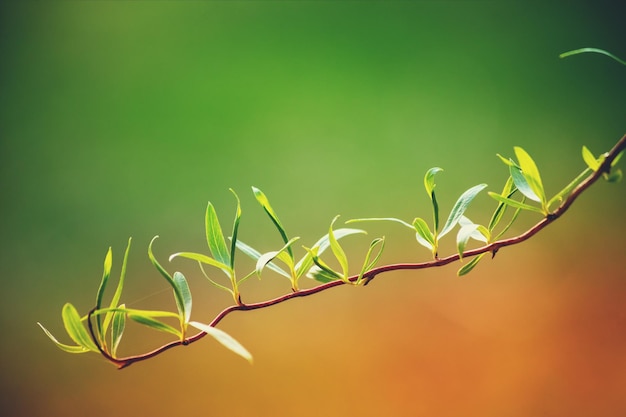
[122,119]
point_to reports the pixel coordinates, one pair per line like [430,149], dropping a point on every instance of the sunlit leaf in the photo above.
[320,264]
[264,202]
[507,161]
[268,257]
[522,184]
[320,275]
[204,259]
[177,294]
[459,208]
[558,198]
[595,50]
[530,172]
[423,232]
[108,262]
[155,324]
[515,203]
[508,191]
[75,328]
[118,291]
[385,219]
[617,158]
[215,237]
[337,249]
[429,184]
[255,255]
[117,329]
[233,239]
[590,160]
[465,233]
[225,339]
[322,244]
[62,346]
[183,288]
[367,264]
[465,269]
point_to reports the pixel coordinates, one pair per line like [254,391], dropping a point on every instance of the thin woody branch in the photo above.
[604,168]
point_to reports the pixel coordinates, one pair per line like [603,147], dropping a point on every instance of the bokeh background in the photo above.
[123,119]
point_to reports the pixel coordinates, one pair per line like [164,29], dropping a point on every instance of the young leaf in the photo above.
[329,272]
[184,309]
[117,329]
[514,203]
[75,329]
[467,231]
[338,250]
[264,202]
[424,235]
[596,50]
[465,269]
[522,184]
[378,219]
[530,172]
[118,291]
[108,261]
[322,244]
[429,180]
[367,264]
[224,338]
[233,239]
[255,255]
[459,208]
[62,346]
[204,259]
[215,237]
[177,294]
[320,275]
[149,321]
[508,191]
[268,257]
[590,160]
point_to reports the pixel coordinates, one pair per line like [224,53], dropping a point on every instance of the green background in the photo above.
[123,119]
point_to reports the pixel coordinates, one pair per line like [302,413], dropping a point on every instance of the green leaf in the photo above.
[590,160]
[424,235]
[465,269]
[178,296]
[118,291]
[617,158]
[459,208]
[614,176]
[468,231]
[320,275]
[225,339]
[531,173]
[429,184]
[338,250]
[515,203]
[367,264]
[204,259]
[215,237]
[508,191]
[108,262]
[322,244]
[507,161]
[155,324]
[117,329]
[184,309]
[62,346]
[320,265]
[255,255]
[385,219]
[268,257]
[75,329]
[570,187]
[233,239]
[596,50]
[522,184]
[264,202]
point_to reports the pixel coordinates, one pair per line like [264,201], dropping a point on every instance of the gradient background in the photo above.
[122,119]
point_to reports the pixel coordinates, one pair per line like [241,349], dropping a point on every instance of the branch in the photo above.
[368,276]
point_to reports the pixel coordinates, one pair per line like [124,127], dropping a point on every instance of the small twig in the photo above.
[368,276]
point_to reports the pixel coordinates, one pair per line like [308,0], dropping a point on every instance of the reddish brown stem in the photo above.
[605,167]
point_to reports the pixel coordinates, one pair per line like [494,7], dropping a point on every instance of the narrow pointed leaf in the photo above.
[215,237]
[463,236]
[225,339]
[465,269]
[63,346]
[507,161]
[378,219]
[522,184]
[367,264]
[233,239]
[322,276]
[264,202]
[155,324]
[108,262]
[255,255]
[204,259]
[617,158]
[337,249]
[177,294]
[429,180]
[460,206]
[590,160]
[75,328]
[322,244]
[118,291]
[515,203]
[428,240]
[530,172]
[268,257]
[321,265]
[117,329]
[508,191]
[596,50]
[558,198]
[184,308]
